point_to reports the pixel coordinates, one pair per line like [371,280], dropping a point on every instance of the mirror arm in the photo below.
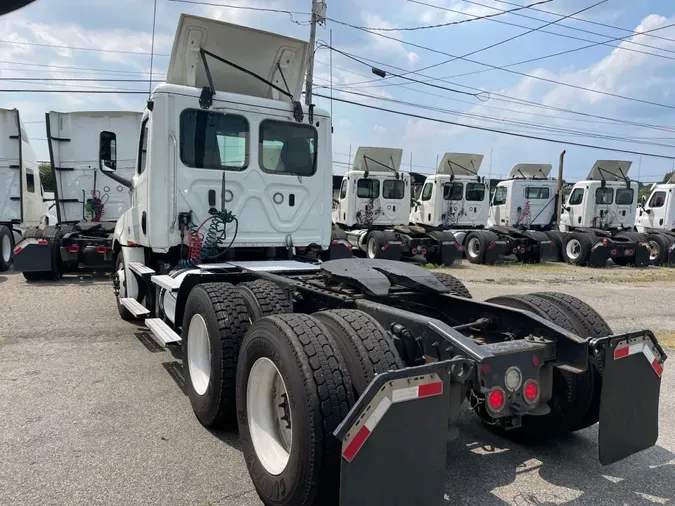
[121,180]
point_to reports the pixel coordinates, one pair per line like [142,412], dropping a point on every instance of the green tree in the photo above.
[46,177]
[667,177]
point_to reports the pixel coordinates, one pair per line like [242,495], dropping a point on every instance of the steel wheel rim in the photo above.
[269,416]
[6,249]
[654,250]
[372,249]
[474,247]
[199,354]
[573,249]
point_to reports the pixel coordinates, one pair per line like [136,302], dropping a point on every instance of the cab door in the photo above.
[655,209]
[573,212]
[340,207]
[424,208]
[33,206]
[497,214]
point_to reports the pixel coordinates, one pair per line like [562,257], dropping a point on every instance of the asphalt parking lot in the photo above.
[92,413]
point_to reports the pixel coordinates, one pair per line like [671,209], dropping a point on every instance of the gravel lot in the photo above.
[90,415]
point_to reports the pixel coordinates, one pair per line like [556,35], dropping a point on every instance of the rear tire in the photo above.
[572,394]
[216,321]
[264,298]
[453,284]
[576,248]
[659,248]
[476,245]
[6,248]
[374,242]
[367,348]
[304,469]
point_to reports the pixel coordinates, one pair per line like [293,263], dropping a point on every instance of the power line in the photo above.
[84,79]
[243,7]
[477,95]
[494,130]
[451,23]
[515,72]
[67,67]
[586,21]
[57,46]
[510,39]
[520,101]
[77,91]
[563,35]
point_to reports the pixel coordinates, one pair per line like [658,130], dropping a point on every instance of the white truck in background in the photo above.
[87,202]
[373,208]
[656,219]
[21,197]
[598,218]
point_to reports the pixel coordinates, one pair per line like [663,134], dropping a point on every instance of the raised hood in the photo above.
[460,164]
[378,159]
[609,170]
[269,55]
[530,171]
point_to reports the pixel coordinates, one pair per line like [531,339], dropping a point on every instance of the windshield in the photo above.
[287,148]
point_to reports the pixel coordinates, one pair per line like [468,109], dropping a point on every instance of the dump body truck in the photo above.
[598,218]
[372,212]
[345,378]
[656,219]
[22,202]
[87,201]
[456,200]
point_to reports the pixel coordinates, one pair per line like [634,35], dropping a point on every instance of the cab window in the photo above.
[211,140]
[453,191]
[576,197]
[604,196]
[536,192]
[658,199]
[426,192]
[30,181]
[475,192]
[624,196]
[368,188]
[343,189]
[393,189]
[499,198]
[287,148]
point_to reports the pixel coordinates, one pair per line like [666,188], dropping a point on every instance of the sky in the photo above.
[620,87]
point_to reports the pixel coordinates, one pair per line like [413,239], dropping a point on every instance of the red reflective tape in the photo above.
[355,445]
[17,249]
[42,242]
[621,352]
[658,368]
[430,389]
[385,246]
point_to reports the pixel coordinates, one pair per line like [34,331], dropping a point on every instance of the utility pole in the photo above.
[318,16]
[560,183]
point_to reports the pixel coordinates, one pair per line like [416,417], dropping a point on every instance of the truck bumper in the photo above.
[33,255]
[638,253]
[87,253]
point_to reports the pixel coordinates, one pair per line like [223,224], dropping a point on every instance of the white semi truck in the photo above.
[656,219]
[456,200]
[372,212]
[21,195]
[343,377]
[598,218]
[87,201]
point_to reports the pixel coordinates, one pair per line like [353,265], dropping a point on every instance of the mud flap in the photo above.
[450,251]
[629,403]
[394,440]
[339,249]
[548,251]
[599,255]
[642,254]
[392,250]
[495,253]
[670,261]
[33,255]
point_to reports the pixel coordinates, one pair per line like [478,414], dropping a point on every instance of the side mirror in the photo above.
[107,158]
[107,152]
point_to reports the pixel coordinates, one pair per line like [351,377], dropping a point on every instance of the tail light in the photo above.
[531,391]
[73,248]
[515,250]
[101,249]
[496,399]
[522,250]
[414,251]
[42,242]
[613,252]
[335,241]
[423,252]
[629,252]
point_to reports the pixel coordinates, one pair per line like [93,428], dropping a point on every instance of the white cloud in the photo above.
[379,129]
[384,45]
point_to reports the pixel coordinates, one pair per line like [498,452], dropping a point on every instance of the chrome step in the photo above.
[165,281]
[140,269]
[135,308]
[161,332]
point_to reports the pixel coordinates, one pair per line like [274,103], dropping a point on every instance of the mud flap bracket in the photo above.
[629,403]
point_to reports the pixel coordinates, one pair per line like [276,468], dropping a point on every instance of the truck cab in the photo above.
[656,218]
[456,197]
[606,200]
[526,200]
[373,192]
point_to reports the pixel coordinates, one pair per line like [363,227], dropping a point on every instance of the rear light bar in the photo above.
[73,248]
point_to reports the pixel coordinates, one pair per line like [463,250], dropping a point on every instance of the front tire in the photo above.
[214,324]
[292,456]
[121,283]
